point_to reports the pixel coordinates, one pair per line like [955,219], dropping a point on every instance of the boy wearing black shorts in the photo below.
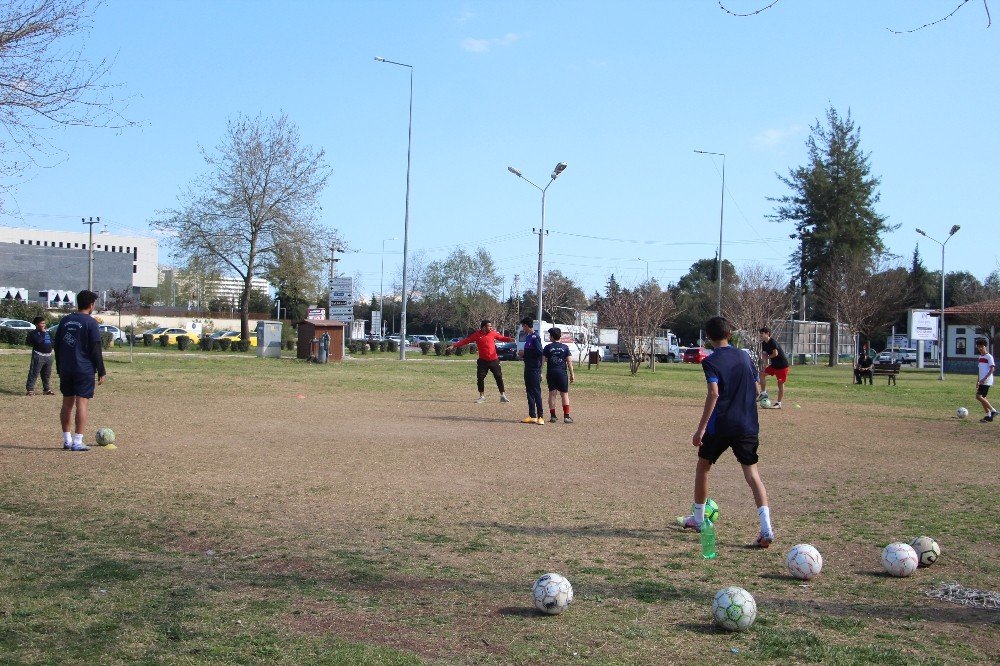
[558,374]
[728,420]
[78,358]
[987,368]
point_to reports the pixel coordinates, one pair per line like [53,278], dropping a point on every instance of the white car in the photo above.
[118,336]
[17,324]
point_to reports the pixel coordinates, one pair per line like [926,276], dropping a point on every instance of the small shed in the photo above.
[313,329]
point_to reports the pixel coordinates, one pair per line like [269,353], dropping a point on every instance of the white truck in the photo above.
[664,347]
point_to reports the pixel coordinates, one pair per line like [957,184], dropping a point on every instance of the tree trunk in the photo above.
[245,308]
[834,338]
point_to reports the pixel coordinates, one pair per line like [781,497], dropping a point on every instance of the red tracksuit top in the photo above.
[486,343]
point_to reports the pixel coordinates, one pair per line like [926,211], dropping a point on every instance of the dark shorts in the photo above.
[558,381]
[79,386]
[781,374]
[982,390]
[744,447]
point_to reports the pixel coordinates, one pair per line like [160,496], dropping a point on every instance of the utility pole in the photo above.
[90,250]
[516,294]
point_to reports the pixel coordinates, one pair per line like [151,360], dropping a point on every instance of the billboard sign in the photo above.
[316,313]
[342,299]
[923,326]
[376,322]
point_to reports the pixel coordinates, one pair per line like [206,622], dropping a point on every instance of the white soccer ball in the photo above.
[552,593]
[765,403]
[899,559]
[961,412]
[734,609]
[804,562]
[927,550]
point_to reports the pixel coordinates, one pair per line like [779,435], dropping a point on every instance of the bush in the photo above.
[473,349]
[147,339]
[425,348]
[14,309]
[164,340]
[289,345]
[13,337]
[106,340]
[183,342]
[439,348]
[381,345]
[205,343]
[448,351]
[216,345]
[460,351]
[224,343]
[241,345]
[362,347]
[392,346]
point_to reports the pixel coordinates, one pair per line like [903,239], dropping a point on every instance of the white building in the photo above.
[228,288]
[144,250]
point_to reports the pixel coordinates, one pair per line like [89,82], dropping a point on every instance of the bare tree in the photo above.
[45,81]
[121,300]
[759,299]
[638,314]
[260,194]
[868,295]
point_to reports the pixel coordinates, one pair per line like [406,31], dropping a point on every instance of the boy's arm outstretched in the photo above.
[711,398]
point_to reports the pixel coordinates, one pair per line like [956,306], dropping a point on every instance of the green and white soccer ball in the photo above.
[765,403]
[552,594]
[961,412]
[734,609]
[105,436]
[804,562]
[899,559]
[927,550]
[711,510]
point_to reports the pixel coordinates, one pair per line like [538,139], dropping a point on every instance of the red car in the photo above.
[695,354]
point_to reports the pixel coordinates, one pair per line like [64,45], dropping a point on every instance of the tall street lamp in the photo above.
[559,168]
[722,210]
[381,291]
[406,216]
[647,266]
[941,342]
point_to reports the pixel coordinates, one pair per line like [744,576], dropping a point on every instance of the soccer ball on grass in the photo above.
[711,510]
[927,550]
[961,412]
[804,562]
[765,403]
[734,609]
[552,594]
[105,436]
[899,559]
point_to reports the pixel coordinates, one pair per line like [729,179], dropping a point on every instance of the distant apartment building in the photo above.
[194,293]
[39,264]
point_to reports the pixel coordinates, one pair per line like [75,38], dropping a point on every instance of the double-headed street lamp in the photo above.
[941,342]
[381,290]
[722,210]
[647,266]
[559,168]
[406,216]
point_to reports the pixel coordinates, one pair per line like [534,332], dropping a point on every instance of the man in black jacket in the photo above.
[78,359]
[41,358]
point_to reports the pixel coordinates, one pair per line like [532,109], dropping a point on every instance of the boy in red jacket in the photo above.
[486,341]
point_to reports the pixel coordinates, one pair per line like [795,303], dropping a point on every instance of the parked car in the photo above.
[907,355]
[235,335]
[695,354]
[17,324]
[887,356]
[220,333]
[454,340]
[394,338]
[174,333]
[507,351]
[154,331]
[118,336]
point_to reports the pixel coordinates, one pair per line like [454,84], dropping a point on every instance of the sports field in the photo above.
[369,512]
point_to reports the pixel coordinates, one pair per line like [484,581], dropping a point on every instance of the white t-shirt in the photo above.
[985,363]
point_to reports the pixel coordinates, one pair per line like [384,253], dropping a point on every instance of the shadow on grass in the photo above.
[471,419]
[40,447]
[941,613]
[520,611]
[608,531]
[704,628]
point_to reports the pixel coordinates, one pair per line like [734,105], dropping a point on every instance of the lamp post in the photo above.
[941,341]
[559,168]
[722,210]
[381,292]
[647,266]
[90,252]
[406,216]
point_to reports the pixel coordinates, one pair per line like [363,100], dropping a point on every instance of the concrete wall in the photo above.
[40,269]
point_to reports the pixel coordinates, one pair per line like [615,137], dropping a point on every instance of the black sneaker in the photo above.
[987,419]
[567,419]
[553,419]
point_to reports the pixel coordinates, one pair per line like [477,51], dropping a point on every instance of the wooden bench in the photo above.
[888,370]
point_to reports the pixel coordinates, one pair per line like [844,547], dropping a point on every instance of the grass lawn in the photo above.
[368,512]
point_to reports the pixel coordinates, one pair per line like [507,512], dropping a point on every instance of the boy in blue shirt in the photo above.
[78,358]
[532,355]
[728,420]
[41,358]
[558,374]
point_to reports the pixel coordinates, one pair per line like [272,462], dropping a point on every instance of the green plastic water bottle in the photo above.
[708,540]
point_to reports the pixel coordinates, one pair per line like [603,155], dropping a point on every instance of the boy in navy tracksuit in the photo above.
[40,342]
[728,420]
[532,355]
[78,358]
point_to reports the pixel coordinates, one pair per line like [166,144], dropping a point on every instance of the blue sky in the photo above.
[623,92]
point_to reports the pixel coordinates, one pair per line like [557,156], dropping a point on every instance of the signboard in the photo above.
[342,299]
[376,322]
[923,326]
[344,313]
[316,313]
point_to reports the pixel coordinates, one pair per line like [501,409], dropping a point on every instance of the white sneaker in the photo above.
[481,400]
[504,398]
[776,405]
[79,447]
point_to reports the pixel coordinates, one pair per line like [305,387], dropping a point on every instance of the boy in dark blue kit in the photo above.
[532,355]
[728,420]
[558,374]
[41,358]
[78,358]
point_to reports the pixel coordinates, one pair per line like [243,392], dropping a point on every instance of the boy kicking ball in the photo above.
[728,421]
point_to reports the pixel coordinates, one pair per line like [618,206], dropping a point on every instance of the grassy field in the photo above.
[368,512]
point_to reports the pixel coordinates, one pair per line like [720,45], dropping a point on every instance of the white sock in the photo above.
[699,513]
[765,519]
[77,439]
[67,438]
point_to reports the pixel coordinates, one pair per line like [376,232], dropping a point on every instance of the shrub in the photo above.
[362,347]
[448,351]
[14,309]
[106,340]
[13,337]
[425,348]
[224,343]
[460,351]
[205,343]
[241,345]
[381,345]
[289,345]
[392,346]
[473,349]
[164,340]
[183,342]
[216,345]
[439,348]
[147,339]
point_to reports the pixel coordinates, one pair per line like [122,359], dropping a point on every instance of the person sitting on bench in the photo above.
[863,366]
